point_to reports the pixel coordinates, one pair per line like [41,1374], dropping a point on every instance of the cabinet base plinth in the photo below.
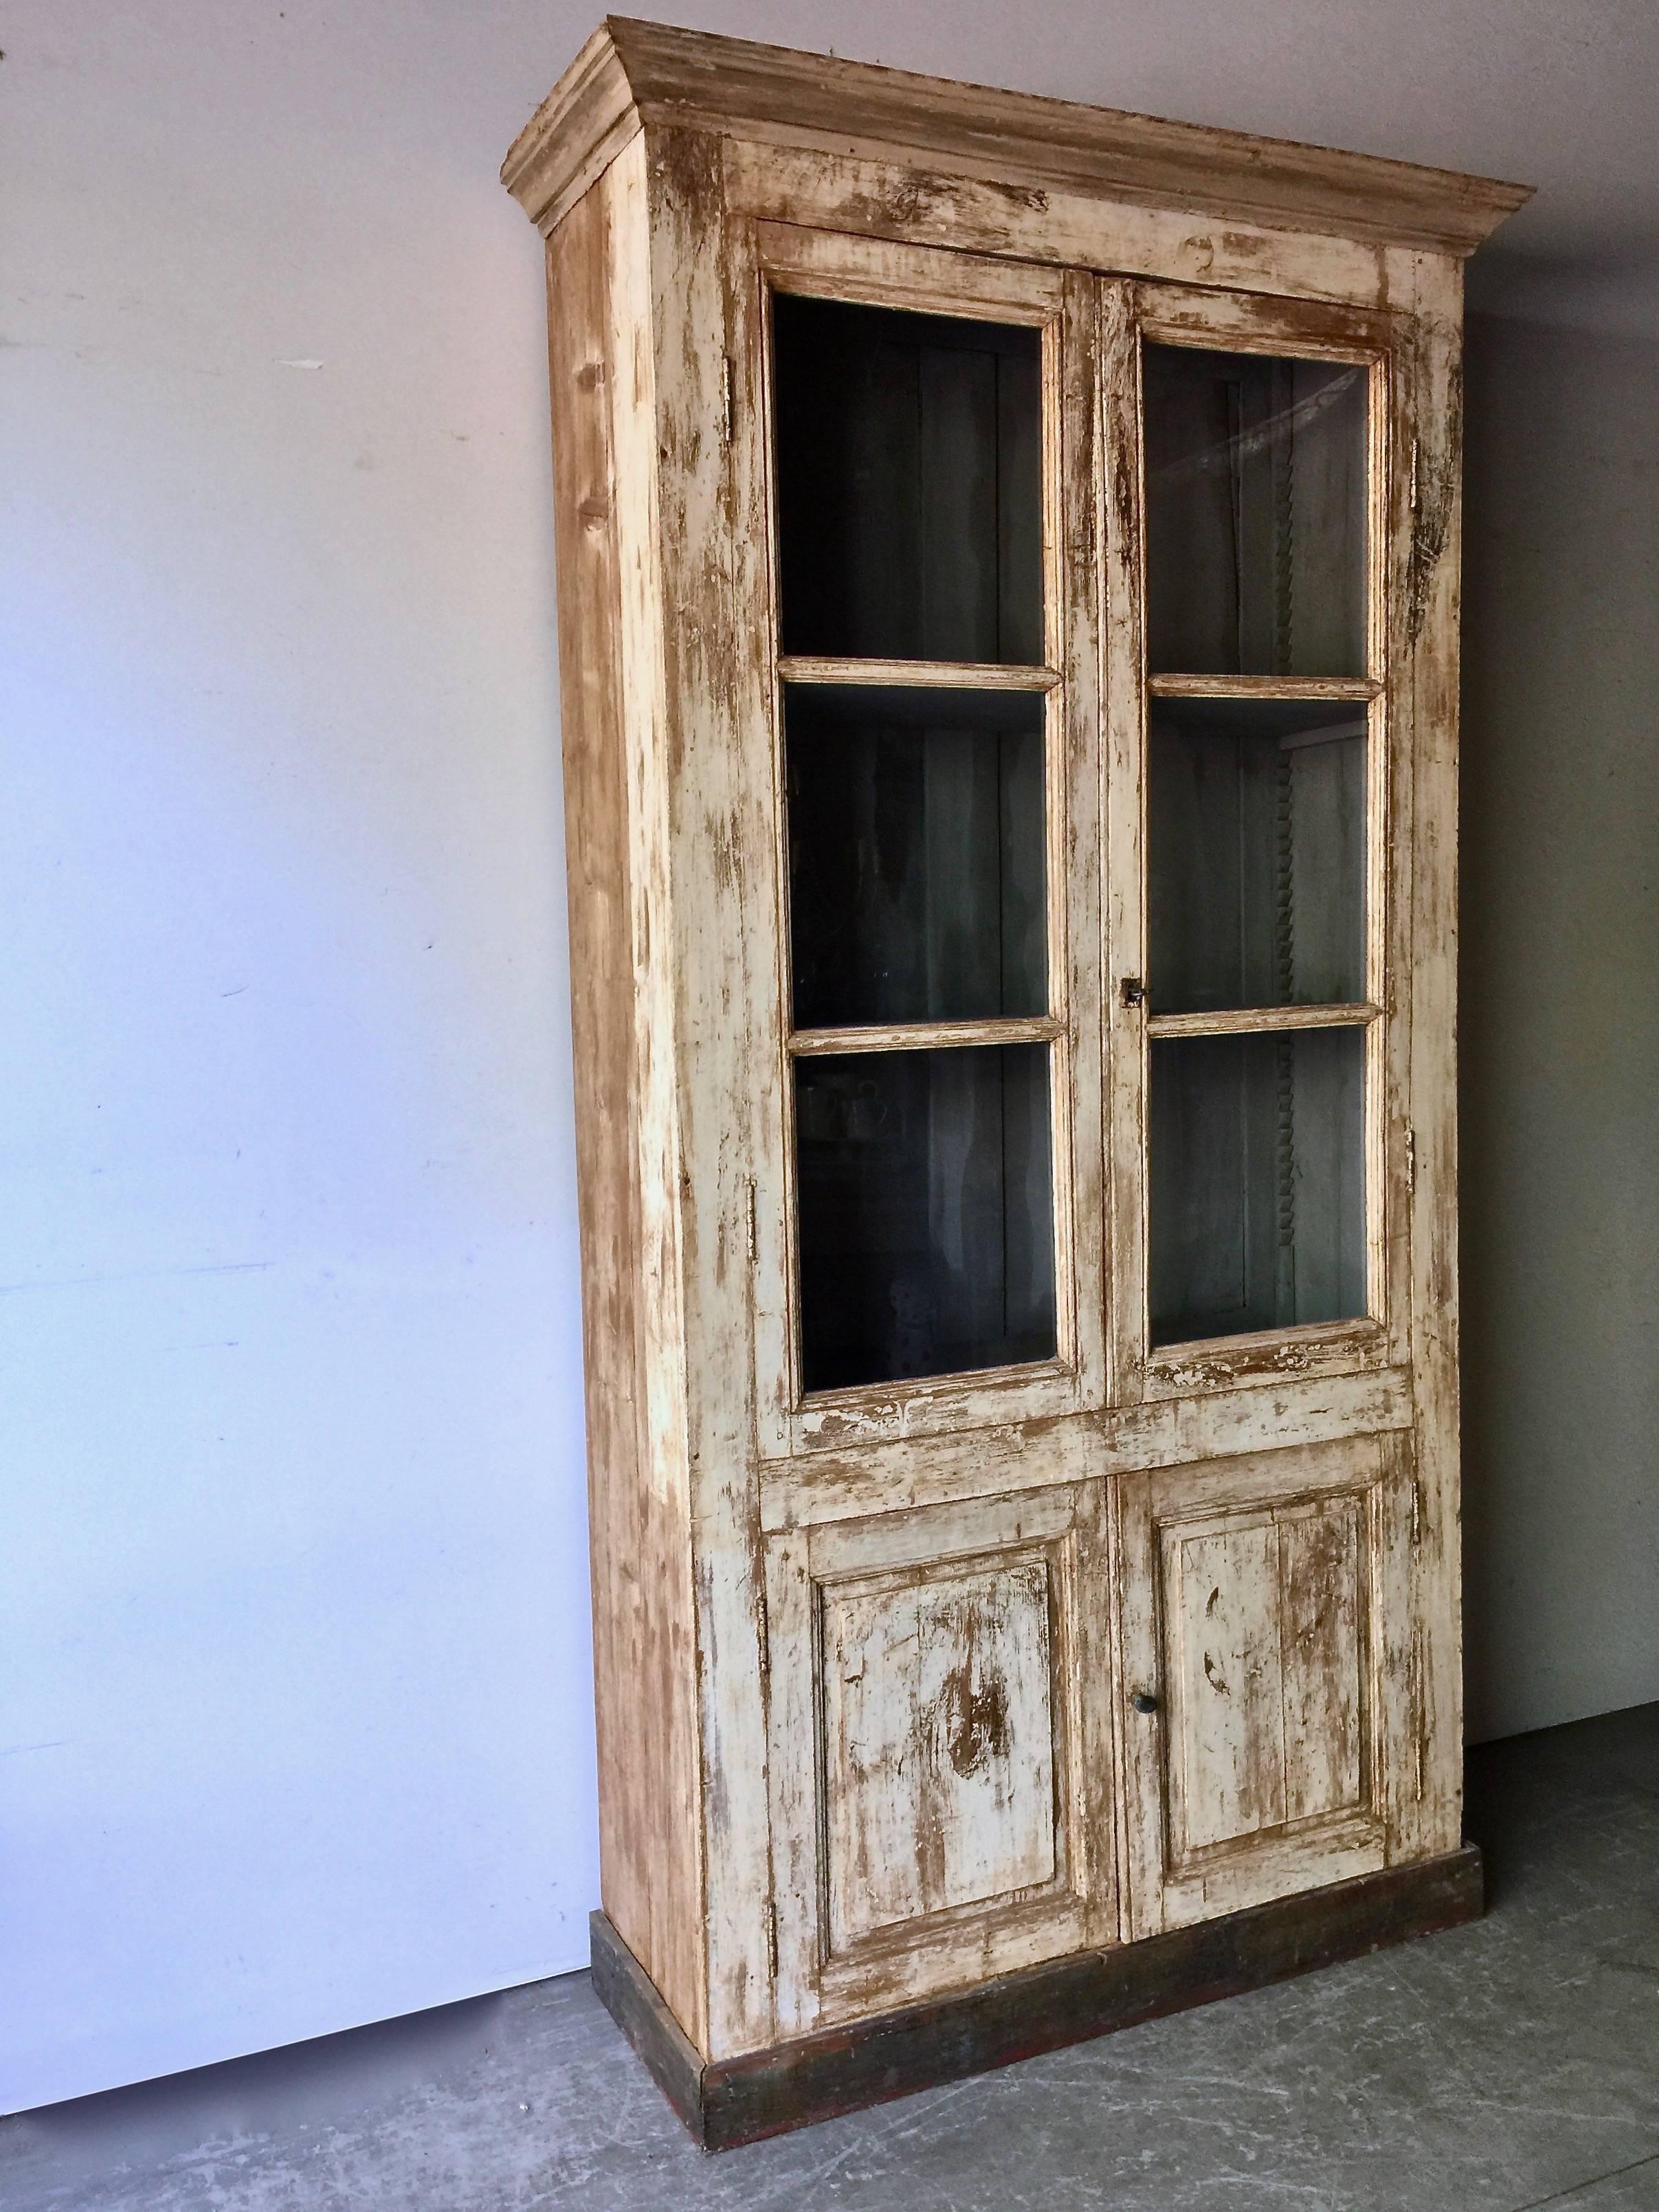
[728,2102]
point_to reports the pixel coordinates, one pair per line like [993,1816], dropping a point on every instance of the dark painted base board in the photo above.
[736,2101]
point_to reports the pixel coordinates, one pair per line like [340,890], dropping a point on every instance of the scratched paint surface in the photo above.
[939,1744]
[889,1747]
[1264,1665]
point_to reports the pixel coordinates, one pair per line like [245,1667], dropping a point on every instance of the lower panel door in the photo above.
[1267,1675]
[939,1754]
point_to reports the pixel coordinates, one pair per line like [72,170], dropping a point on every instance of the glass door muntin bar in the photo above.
[1179,1356]
[855,273]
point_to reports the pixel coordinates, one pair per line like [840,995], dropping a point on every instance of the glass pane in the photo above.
[1255,854]
[926,1221]
[915,854]
[1255,515]
[1258,1183]
[909,484]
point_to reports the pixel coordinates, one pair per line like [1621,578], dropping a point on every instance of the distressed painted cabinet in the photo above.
[1007,573]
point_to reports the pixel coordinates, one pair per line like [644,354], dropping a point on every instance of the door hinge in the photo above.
[728,403]
[1411,1160]
[750,1238]
[772,1940]
[1417,1508]
[1413,481]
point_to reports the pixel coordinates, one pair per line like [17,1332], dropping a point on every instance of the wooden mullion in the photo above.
[1262,1021]
[1074,717]
[1121,537]
[925,1037]
[918,674]
[1270,689]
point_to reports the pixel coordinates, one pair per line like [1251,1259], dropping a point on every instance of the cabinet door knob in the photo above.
[1133,991]
[1144,1702]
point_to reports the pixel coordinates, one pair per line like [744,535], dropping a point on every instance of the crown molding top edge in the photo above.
[632,73]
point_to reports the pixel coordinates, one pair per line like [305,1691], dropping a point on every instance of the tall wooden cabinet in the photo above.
[1007,573]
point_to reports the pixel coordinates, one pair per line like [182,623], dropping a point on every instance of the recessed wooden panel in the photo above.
[940,1752]
[1265,1614]
[938,1743]
[1268,1741]
[1227,1759]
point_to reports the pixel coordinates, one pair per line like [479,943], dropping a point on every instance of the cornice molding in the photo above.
[633,74]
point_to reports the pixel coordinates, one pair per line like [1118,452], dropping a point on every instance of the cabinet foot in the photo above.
[728,2102]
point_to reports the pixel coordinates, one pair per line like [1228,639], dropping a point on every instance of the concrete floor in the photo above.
[1499,2069]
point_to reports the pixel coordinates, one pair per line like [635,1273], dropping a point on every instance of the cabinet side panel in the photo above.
[643,1649]
[722,1008]
[1428,596]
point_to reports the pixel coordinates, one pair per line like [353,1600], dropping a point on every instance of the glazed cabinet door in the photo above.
[1259,900]
[1268,1669]
[1256,877]
[930,1227]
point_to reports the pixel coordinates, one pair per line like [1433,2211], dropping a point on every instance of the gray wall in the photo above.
[1560,1024]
